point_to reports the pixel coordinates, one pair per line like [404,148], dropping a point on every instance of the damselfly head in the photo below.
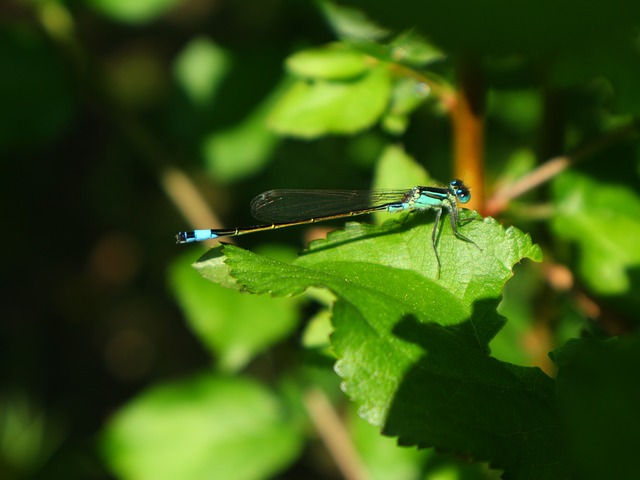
[460,190]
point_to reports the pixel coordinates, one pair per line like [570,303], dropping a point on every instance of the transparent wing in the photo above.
[280,206]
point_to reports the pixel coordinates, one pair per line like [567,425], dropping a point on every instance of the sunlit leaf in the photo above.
[334,62]
[244,148]
[312,109]
[381,456]
[234,326]
[396,170]
[349,23]
[140,11]
[604,221]
[200,69]
[202,428]
[407,342]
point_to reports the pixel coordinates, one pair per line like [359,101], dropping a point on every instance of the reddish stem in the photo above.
[467,116]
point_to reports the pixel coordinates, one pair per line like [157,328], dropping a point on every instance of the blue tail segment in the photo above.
[195,236]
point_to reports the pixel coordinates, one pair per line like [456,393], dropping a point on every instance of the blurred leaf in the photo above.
[604,221]
[337,62]
[520,110]
[395,124]
[200,68]
[412,350]
[518,163]
[518,305]
[385,459]
[411,48]
[35,91]
[349,23]
[202,428]
[243,149]
[319,108]
[407,95]
[333,62]
[139,11]
[397,170]
[318,330]
[233,325]
[28,436]
[381,455]
[599,394]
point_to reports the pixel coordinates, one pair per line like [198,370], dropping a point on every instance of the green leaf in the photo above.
[381,455]
[313,109]
[334,62]
[140,11]
[242,149]
[349,23]
[234,326]
[29,435]
[412,349]
[396,169]
[411,48]
[598,395]
[407,95]
[202,428]
[521,110]
[604,221]
[385,459]
[200,68]
[317,331]
[519,305]
[518,163]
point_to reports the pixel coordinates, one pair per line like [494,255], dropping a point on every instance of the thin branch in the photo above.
[467,120]
[548,170]
[334,435]
[465,107]
[188,200]
[176,184]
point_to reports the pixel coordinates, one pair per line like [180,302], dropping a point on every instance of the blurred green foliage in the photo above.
[233,427]
[118,360]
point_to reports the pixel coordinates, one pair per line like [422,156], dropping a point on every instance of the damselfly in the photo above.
[285,208]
